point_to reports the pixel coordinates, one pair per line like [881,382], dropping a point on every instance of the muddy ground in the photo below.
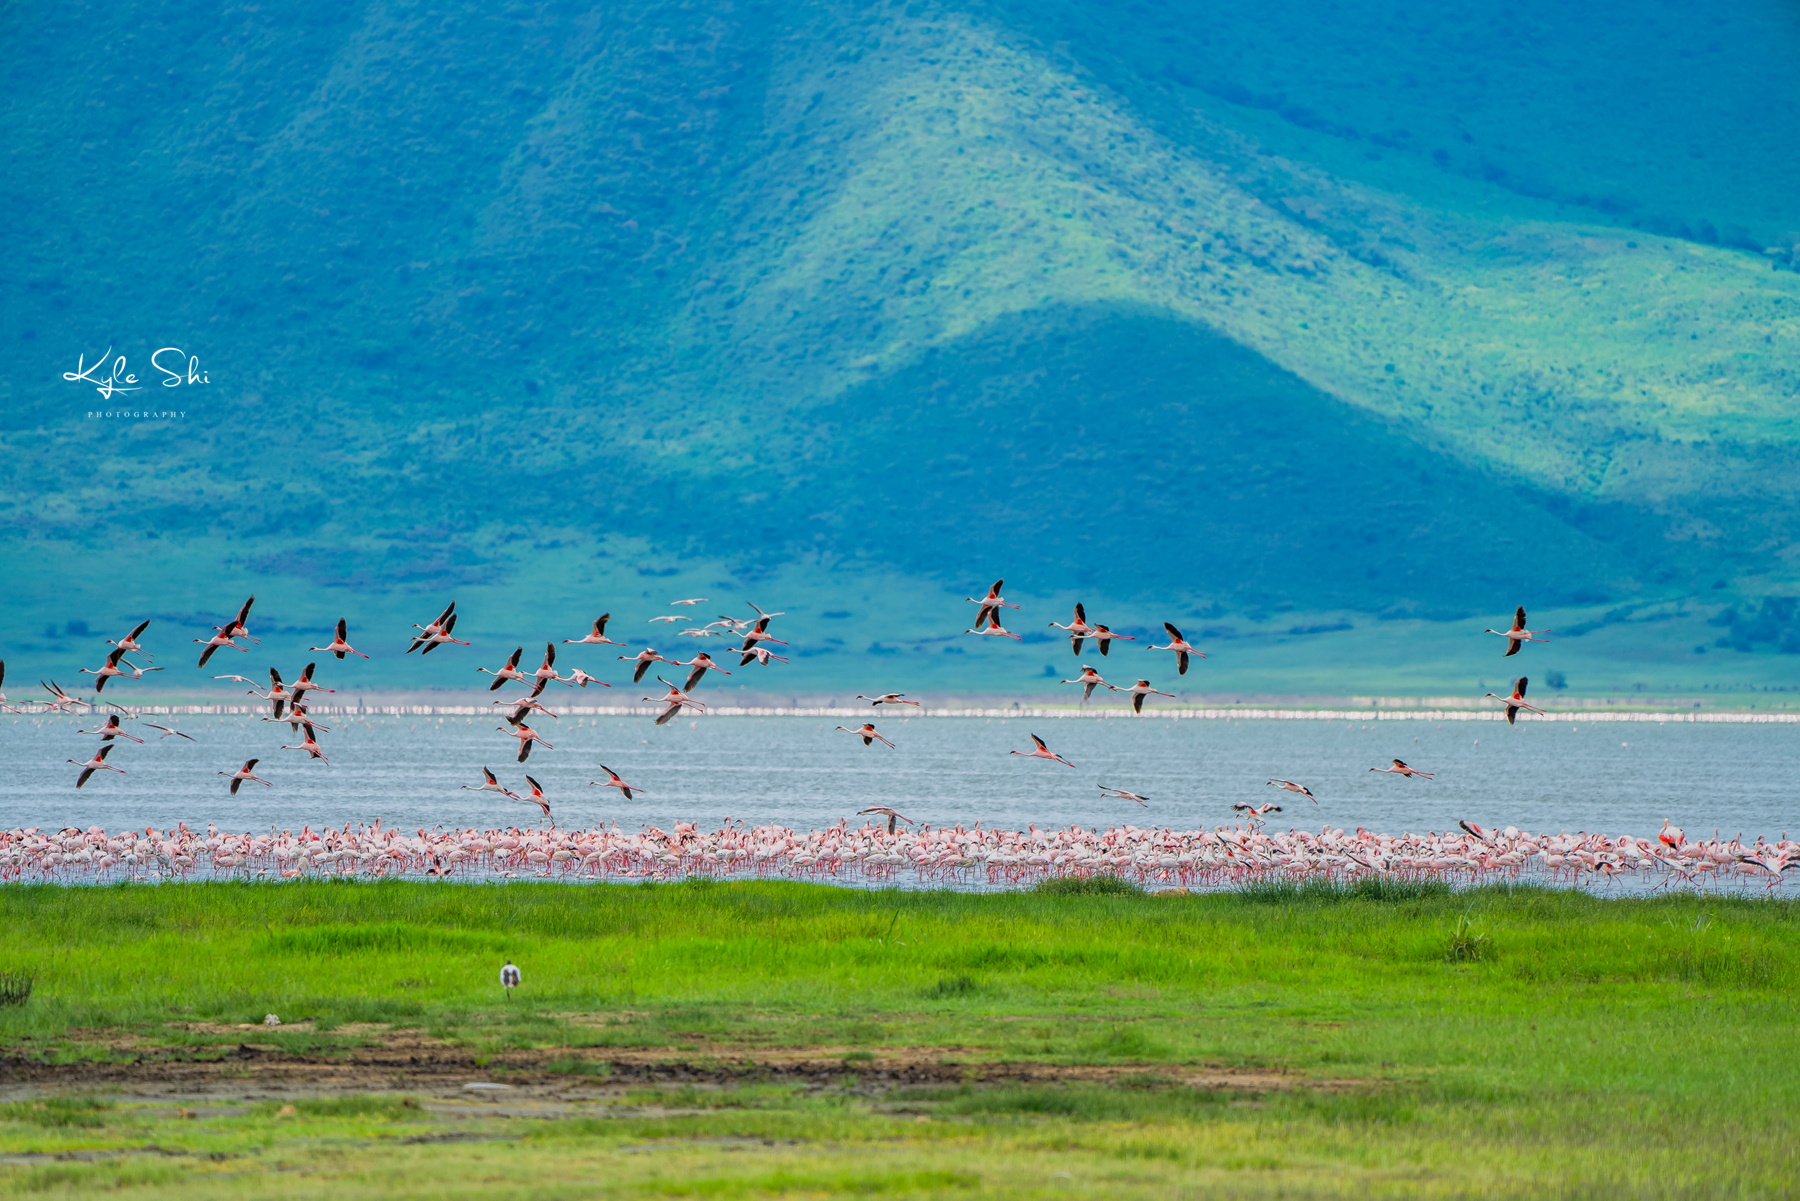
[408,1061]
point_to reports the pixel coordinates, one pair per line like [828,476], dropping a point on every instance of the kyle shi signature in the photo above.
[117,379]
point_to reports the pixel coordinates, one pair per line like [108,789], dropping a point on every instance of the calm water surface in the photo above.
[800,772]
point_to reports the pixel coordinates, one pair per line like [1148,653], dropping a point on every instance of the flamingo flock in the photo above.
[1204,858]
[879,853]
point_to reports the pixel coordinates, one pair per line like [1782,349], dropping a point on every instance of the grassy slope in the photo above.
[690,279]
[1611,1042]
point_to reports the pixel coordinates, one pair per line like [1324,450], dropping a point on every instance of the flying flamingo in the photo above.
[1262,810]
[305,684]
[1518,636]
[1180,646]
[766,616]
[692,600]
[526,736]
[1125,796]
[1401,769]
[297,716]
[597,635]
[547,669]
[762,655]
[440,626]
[889,698]
[492,785]
[168,731]
[668,619]
[431,641]
[60,701]
[130,641]
[525,705]
[235,628]
[509,671]
[220,638]
[1079,629]
[1104,638]
[111,668]
[310,744]
[581,677]
[97,763]
[676,699]
[110,731]
[243,773]
[644,659]
[995,628]
[277,695]
[1139,691]
[537,798]
[1516,701]
[887,812]
[1290,786]
[1042,752]
[1090,678]
[612,781]
[339,646]
[868,733]
[1477,831]
[701,664]
[990,606]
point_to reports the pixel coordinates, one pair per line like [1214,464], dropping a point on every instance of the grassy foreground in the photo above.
[1400,1041]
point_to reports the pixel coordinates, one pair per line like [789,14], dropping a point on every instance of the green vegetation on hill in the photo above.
[1367,309]
[1297,1042]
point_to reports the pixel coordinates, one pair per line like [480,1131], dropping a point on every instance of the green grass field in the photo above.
[770,1039]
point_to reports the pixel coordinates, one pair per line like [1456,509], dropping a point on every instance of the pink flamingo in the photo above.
[492,785]
[886,811]
[310,744]
[1125,796]
[701,664]
[1042,752]
[110,731]
[1079,629]
[1104,638]
[339,646]
[130,641]
[97,763]
[1091,679]
[1180,646]
[432,641]
[1516,701]
[644,659]
[442,625]
[889,698]
[508,671]
[245,772]
[1139,691]
[613,781]
[1517,636]
[1401,769]
[597,635]
[990,606]
[868,734]
[526,736]
[1290,786]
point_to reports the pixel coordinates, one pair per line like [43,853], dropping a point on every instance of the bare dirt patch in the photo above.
[407,1060]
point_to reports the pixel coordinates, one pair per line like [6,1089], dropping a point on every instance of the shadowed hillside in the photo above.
[1365,311]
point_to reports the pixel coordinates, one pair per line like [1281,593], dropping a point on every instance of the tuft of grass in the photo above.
[1087,886]
[57,1112]
[15,987]
[577,1065]
[960,985]
[1466,943]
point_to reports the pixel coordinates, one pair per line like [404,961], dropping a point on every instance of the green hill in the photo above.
[1322,317]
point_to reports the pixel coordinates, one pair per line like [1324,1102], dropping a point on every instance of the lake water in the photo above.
[800,772]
